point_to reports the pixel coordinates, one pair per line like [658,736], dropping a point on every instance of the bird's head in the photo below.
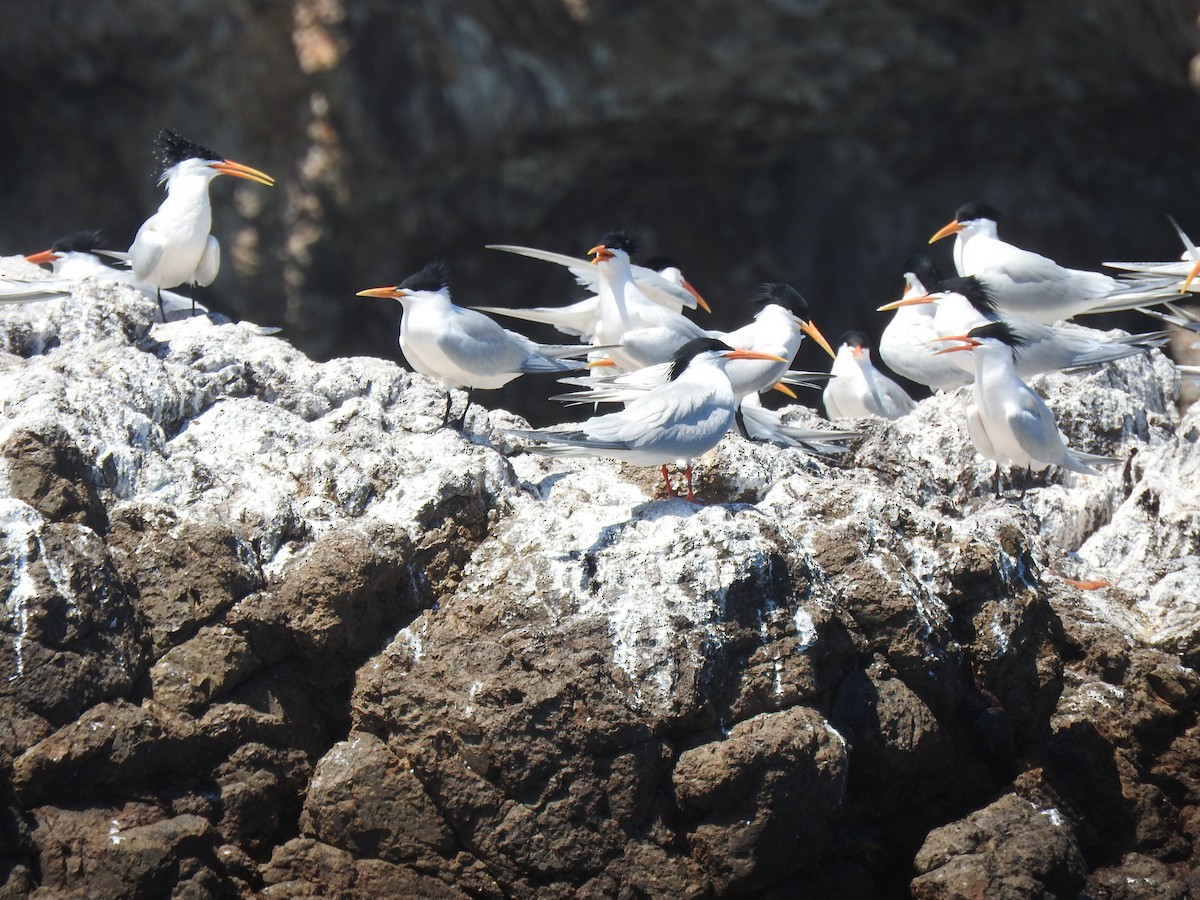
[431,279]
[701,347]
[857,343]
[793,303]
[993,332]
[613,243]
[179,156]
[969,216]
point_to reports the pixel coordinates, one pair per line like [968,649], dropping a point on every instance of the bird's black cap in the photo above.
[619,239]
[976,292]
[175,148]
[85,240]
[926,270]
[1000,331]
[855,339]
[433,277]
[694,347]
[976,210]
[784,295]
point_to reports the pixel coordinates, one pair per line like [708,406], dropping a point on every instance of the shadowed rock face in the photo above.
[811,142]
[265,628]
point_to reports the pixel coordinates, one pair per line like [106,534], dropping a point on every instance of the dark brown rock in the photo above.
[49,473]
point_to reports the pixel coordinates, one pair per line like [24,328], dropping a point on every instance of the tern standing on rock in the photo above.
[858,389]
[676,421]
[1007,421]
[174,246]
[461,347]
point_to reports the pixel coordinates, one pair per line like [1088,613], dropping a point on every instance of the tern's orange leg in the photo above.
[691,495]
[667,479]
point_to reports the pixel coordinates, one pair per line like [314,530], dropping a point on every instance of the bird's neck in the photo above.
[615,278]
[187,198]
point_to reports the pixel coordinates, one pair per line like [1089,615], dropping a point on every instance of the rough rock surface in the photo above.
[267,630]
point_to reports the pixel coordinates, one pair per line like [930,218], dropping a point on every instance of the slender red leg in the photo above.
[667,479]
[691,496]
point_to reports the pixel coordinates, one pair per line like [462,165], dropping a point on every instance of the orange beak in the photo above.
[969,343]
[237,170]
[811,330]
[41,259]
[600,363]
[857,352]
[601,253]
[753,354]
[907,300]
[388,293]
[700,301]
[1191,275]
[785,390]
[946,230]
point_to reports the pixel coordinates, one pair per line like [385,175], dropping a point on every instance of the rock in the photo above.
[1007,849]
[296,640]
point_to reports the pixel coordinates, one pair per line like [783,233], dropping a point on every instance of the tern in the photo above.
[174,246]
[1031,285]
[676,421]
[639,331]
[81,254]
[961,304]
[904,344]
[660,279]
[1007,421]
[461,347]
[858,389]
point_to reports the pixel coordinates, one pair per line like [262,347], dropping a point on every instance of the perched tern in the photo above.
[904,344]
[961,304]
[461,347]
[677,421]
[174,246]
[660,280]
[1007,421]
[858,389]
[81,254]
[778,328]
[1031,285]
[638,331]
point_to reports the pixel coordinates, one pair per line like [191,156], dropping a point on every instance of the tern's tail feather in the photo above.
[32,291]
[564,443]
[565,320]
[1078,461]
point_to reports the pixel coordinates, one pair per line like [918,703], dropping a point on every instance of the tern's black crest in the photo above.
[175,148]
[85,240]
[690,350]
[976,292]
[976,210]
[434,277]
[618,239]
[1000,331]
[855,339]
[784,295]
[923,266]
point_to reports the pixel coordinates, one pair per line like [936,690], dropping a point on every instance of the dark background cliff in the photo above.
[812,142]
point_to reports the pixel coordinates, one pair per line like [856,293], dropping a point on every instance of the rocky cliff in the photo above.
[267,630]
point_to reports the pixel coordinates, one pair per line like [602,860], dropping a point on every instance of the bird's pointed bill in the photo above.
[700,301]
[600,363]
[601,253]
[906,300]
[813,332]
[43,258]
[785,390]
[389,293]
[237,170]
[968,343]
[946,230]
[1191,276]
[752,354]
